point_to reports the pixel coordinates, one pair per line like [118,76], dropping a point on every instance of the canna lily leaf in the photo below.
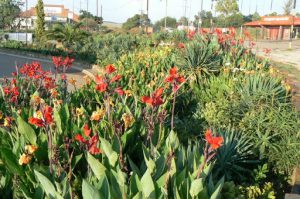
[97,168]
[90,192]
[25,129]
[109,152]
[148,185]
[196,187]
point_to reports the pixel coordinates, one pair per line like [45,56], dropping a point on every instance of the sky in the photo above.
[120,10]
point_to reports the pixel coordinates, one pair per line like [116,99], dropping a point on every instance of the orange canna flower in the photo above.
[30,149]
[214,141]
[110,69]
[24,159]
[97,115]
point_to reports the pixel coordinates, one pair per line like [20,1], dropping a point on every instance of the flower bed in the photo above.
[201,119]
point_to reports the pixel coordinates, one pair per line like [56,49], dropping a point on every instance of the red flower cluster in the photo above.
[33,70]
[155,99]
[267,51]
[103,82]
[191,34]
[60,62]
[90,142]
[12,92]
[174,78]
[181,45]
[46,118]
[214,141]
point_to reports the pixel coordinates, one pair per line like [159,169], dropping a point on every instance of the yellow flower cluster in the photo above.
[26,157]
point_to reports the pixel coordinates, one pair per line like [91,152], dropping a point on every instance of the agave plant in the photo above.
[201,55]
[236,158]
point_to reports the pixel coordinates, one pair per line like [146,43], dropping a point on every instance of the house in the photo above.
[53,13]
[277,27]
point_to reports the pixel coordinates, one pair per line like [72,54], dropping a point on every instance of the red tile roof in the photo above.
[275,21]
[63,14]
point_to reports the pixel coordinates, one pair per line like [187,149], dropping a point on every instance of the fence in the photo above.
[19,37]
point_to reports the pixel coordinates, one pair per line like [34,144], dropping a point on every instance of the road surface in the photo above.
[8,62]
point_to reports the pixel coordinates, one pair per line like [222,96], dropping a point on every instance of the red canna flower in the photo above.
[214,141]
[57,61]
[120,91]
[91,142]
[101,84]
[155,99]
[48,115]
[37,122]
[110,69]
[86,130]
[115,78]
[181,45]
[68,62]
[79,138]
[174,78]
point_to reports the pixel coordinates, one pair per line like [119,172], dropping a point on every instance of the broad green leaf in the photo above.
[25,129]
[75,160]
[148,185]
[149,162]
[104,187]
[47,185]
[134,168]
[217,192]
[135,184]
[90,192]
[109,152]
[196,187]
[97,168]
[57,120]
[10,161]
[172,141]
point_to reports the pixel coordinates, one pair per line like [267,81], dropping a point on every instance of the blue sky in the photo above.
[120,10]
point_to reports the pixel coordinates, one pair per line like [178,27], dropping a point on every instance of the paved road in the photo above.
[8,62]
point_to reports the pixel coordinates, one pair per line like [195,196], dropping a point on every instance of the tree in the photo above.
[227,7]
[256,16]
[288,6]
[273,14]
[136,21]
[89,20]
[68,34]
[171,23]
[183,21]
[9,11]
[206,19]
[40,21]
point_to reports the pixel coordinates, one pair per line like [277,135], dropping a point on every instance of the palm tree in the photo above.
[67,34]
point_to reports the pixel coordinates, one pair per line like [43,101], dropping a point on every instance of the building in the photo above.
[277,27]
[53,13]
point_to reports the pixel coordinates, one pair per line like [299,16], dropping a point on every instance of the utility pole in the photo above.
[26,21]
[97,8]
[200,18]
[185,5]
[87,9]
[147,16]
[166,15]
[271,5]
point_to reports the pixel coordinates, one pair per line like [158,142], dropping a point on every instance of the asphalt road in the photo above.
[8,62]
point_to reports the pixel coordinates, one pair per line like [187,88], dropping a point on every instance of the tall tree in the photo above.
[9,11]
[40,21]
[227,7]
[171,23]
[288,6]
[136,21]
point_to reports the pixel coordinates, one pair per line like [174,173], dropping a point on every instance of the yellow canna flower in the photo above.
[7,121]
[1,115]
[288,87]
[30,149]
[54,93]
[24,159]
[98,115]
[79,111]
[128,92]
[72,81]
[128,120]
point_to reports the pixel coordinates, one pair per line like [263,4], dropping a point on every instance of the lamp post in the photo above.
[166,15]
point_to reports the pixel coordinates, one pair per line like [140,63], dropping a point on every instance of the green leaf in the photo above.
[75,160]
[90,192]
[104,187]
[135,184]
[109,152]
[97,168]
[11,161]
[134,168]
[148,185]
[196,187]
[47,185]
[172,141]
[57,120]
[25,129]
[217,192]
